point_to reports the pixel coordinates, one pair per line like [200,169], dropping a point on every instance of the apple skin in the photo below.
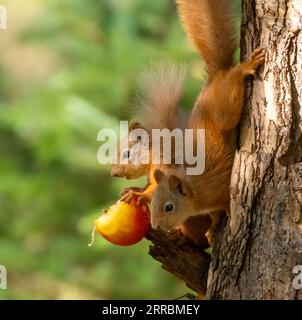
[124,224]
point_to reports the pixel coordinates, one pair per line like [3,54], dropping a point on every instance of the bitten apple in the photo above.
[124,223]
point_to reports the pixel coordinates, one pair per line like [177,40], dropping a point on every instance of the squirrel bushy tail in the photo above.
[210,25]
[158,100]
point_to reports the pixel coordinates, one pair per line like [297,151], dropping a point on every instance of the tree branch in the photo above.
[180,257]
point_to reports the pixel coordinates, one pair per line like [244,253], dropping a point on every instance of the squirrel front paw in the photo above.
[257,59]
[141,196]
[127,190]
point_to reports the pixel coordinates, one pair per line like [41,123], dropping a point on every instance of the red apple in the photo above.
[124,224]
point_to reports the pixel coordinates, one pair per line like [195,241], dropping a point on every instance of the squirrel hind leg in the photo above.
[257,59]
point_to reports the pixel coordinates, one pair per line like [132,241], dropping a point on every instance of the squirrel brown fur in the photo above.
[158,109]
[218,108]
[210,26]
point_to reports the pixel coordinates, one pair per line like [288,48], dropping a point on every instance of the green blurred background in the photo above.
[68,68]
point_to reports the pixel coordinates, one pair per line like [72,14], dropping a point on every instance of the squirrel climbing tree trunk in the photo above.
[261,241]
[259,244]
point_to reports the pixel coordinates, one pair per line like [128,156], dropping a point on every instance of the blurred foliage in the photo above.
[68,68]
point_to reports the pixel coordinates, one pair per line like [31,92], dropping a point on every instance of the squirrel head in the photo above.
[132,151]
[172,201]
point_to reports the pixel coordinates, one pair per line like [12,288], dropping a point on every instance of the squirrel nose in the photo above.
[155,226]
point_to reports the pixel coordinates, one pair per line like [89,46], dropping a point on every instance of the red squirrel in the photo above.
[158,108]
[176,196]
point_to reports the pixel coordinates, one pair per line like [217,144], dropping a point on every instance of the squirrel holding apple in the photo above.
[174,195]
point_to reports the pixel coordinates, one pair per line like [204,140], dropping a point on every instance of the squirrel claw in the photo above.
[257,59]
[127,197]
[125,191]
[141,197]
[257,52]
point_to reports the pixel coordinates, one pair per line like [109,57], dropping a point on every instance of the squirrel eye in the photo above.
[168,207]
[126,154]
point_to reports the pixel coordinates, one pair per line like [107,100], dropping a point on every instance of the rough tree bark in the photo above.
[261,241]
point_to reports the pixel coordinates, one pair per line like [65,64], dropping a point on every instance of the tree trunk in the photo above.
[261,241]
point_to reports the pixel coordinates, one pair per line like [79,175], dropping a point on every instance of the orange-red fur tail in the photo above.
[210,26]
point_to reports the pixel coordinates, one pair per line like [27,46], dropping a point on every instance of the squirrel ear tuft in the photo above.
[158,175]
[176,183]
